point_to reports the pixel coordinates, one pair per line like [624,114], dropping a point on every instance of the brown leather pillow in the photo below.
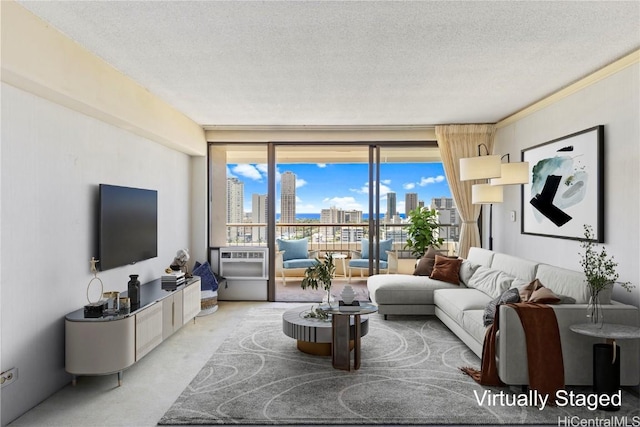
[447,269]
[528,289]
[425,264]
[544,295]
[536,292]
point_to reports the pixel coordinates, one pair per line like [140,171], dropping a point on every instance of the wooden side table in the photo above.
[606,357]
[340,326]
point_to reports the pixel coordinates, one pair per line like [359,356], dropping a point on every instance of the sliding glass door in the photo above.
[348,199]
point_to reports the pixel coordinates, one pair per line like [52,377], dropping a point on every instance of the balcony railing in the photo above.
[335,237]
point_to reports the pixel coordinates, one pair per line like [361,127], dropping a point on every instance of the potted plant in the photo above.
[320,275]
[422,231]
[600,273]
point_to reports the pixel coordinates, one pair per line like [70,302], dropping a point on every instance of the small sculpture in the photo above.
[180,263]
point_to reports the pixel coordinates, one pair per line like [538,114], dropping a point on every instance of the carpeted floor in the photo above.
[409,376]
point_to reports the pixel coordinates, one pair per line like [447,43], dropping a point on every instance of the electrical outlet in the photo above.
[513,216]
[8,377]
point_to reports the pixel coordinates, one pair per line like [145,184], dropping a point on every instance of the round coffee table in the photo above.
[314,336]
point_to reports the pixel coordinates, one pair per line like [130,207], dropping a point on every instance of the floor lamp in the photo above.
[498,174]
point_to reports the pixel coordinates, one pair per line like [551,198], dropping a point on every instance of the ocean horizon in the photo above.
[317,216]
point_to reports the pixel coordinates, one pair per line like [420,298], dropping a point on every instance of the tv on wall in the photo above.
[127,225]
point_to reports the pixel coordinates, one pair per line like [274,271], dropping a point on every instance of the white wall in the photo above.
[53,159]
[615,103]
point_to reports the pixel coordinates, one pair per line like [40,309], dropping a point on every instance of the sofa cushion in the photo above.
[293,249]
[454,302]
[472,322]
[446,269]
[364,263]
[514,266]
[491,282]
[300,263]
[567,283]
[480,256]
[403,289]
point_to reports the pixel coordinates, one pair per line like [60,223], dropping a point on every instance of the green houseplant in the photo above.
[422,231]
[320,275]
[600,273]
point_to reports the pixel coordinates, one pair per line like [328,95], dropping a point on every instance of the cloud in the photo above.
[431,180]
[384,189]
[248,171]
[409,186]
[321,165]
[386,181]
[264,170]
[300,182]
[346,203]
[230,174]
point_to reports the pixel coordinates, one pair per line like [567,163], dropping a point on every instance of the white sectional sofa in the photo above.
[485,275]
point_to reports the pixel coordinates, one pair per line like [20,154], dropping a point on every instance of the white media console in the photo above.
[110,344]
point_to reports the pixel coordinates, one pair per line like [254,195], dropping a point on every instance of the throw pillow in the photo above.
[491,282]
[527,290]
[426,263]
[509,296]
[446,269]
[208,280]
[294,249]
[536,292]
[544,295]
[467,268]
[370,250]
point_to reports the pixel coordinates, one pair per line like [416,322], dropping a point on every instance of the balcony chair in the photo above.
[294,255]
[360,259]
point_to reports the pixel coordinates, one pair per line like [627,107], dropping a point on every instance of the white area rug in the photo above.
[409,376]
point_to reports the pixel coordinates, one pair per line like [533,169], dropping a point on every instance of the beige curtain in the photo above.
[456,142]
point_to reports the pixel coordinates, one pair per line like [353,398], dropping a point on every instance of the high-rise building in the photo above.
[235,200]
[235,207]
[410,202]
[391,206]
[288,197]
[447,216]
[259,215]
[442,203]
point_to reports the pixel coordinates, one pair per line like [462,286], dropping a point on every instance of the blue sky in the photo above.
[320,186]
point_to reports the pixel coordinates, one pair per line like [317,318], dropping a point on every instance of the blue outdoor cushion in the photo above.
[364,263]
[293,249]
[300,263]
[385,245]
[208,280]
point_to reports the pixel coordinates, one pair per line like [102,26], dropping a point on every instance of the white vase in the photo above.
[348,295]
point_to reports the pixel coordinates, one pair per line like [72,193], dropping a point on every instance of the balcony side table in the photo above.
[341,257]
[606,357]
[340,327]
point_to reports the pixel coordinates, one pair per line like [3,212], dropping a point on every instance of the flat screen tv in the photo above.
[128,226]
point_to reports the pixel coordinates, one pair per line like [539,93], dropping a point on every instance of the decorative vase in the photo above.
[133,290]
[348,294]
[594,309]
[328,299]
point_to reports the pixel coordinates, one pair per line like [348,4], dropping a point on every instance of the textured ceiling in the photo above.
[350,63]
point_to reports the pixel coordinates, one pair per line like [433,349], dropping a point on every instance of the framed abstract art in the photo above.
[566,186]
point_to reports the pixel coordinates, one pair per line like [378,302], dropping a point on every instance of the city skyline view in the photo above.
[345,186]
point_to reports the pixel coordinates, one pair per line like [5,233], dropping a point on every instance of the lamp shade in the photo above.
[481,167]
[485,194]
[513,173]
